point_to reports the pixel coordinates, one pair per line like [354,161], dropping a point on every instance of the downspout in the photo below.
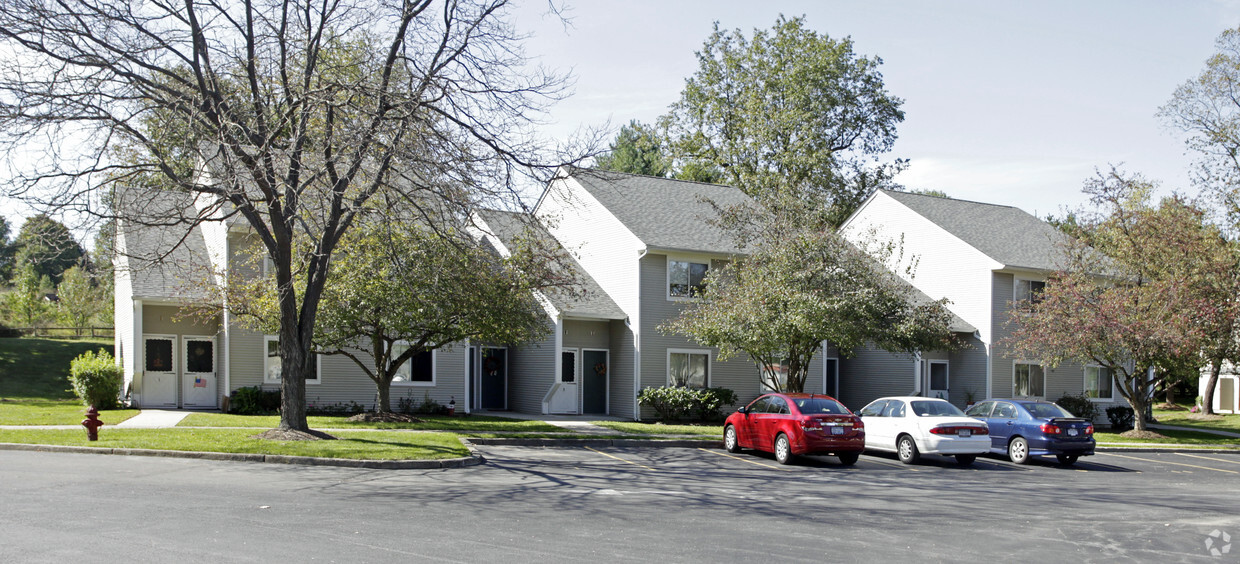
[637,341]
[227,322]
[917,373]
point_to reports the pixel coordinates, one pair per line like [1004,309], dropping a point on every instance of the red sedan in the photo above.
[793,424]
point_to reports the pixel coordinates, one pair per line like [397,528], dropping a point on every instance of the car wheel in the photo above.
[783,449]
[906,449]
[1018,450]
[965,459]
[729,439]
[1067,459]
[848,458]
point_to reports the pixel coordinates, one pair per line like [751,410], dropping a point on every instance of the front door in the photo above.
[594,381]
[494,378]
[159,376]
[938,379]
[1227,394]
[198,377]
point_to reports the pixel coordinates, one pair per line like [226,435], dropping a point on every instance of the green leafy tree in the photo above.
[1137,294]
[792,117]
[49,246]
[779,304]
[636,150]
[6,252]
[81,300]
[25,304]
[303,114]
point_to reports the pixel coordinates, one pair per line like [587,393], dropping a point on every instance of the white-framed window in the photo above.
[271,362]
[418,370]
[779,372]
[1028,290]
[1098,383]
[685,277]
[688,367]
[1028,380]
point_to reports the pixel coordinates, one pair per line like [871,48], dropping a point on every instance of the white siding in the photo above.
[947,267]
[122,313]
[602,244]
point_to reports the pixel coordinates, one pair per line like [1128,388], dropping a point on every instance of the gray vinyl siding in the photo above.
[737,373]
[620,396]
[1067,378]
[531,373]
[171,320]
[586,334]
[872,373]
[966,372]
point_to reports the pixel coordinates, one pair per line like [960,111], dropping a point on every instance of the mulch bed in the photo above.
[387,417]
[292,435]
[1135,434]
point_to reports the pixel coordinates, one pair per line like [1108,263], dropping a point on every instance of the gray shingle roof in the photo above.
[1006,234]
[592,301]
[166,258]
[665,213]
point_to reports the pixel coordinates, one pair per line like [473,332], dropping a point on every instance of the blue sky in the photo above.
[1005,102]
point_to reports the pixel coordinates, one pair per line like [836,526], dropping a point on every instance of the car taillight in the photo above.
[858,424]
[810,424]
[1089,429]
[956,429]
[1050,429]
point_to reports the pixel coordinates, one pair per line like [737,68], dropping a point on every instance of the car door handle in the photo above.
[1009,423]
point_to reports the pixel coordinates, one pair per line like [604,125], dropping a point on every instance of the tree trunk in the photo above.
[384,387]
[1207,396]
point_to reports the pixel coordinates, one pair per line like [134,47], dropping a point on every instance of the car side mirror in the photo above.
[742,409]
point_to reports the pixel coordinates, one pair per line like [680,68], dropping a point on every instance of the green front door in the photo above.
[594,381]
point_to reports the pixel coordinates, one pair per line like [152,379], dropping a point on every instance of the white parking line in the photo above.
[1175,463]
[742,459]
[1209,458]
[620,459]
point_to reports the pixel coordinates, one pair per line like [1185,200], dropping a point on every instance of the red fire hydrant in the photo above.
[92,423]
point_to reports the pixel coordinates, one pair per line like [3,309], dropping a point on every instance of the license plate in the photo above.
[837,430]
[965,432]
[1072,432]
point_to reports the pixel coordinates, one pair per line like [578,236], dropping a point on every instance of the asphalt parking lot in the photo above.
[556,504]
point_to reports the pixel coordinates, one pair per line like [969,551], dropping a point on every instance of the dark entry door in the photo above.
[594,381]
[494,379]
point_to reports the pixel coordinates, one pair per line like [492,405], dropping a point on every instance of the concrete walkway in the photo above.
[154,419]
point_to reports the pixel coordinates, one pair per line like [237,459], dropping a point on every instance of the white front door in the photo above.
[198,373]
[159,375]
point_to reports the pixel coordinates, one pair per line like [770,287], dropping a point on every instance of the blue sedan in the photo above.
[1021,428]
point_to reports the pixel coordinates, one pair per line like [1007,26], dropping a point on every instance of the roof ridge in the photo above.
[962,200]
[681,180]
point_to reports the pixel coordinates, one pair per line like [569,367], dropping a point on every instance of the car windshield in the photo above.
[936,409]
[1045,410]
[810,406]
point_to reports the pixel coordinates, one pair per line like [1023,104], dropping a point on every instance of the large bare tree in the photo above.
[288,116]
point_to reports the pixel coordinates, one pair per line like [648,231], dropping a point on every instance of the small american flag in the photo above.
[200,383]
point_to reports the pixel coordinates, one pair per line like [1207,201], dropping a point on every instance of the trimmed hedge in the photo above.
[677,403]
[96,379]
[254,401]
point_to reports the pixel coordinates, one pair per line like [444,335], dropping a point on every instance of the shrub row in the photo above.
[677,403]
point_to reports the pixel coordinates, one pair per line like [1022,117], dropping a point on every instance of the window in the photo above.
[1098,382]
[895,408]
[419,370]
[980,410]
[1029,290]
[759,405]
[159,355]
[688,368]
[875,409]
[778,406]
[685,279]
[777,373]
[1004,410]
[1028,380]
[272,364]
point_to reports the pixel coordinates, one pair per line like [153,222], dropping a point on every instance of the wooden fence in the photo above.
[67,332]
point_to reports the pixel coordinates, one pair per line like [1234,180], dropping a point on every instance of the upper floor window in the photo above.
[685,279]
[1029,290]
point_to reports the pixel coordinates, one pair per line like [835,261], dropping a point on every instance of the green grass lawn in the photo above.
[472,423]
[1229,423]
[636,428]
[1173,437]
[33,368]
[54,412]
[359,445]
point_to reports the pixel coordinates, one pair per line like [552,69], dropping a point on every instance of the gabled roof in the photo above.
[165,250]
[592,301]
[1008,235]
[664,213]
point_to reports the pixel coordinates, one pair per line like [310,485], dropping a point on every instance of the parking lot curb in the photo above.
[1167,449]
[655,443]
[473,459]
